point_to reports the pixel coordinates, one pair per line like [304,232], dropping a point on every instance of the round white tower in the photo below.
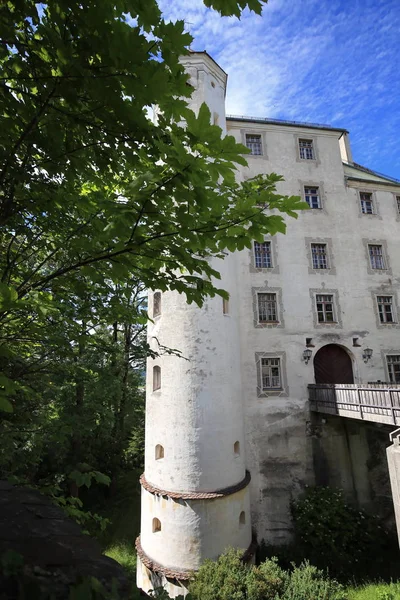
[195,495]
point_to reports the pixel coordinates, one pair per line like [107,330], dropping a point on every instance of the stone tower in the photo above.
[195,495]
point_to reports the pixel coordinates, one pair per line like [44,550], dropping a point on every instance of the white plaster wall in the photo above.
[193,530]
[278,448]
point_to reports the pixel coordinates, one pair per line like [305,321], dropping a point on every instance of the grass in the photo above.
[378,591]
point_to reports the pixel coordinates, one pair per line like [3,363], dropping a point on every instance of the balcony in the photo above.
[376,402]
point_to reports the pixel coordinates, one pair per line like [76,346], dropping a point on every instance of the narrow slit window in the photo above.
[225,306]
[159,452]
[156,378]
[319,256]
[254,144]
[262,255]
[376,256]
[242,518]
[312,197]
[236,448]
[156,525]
[385,309]
[367,204]
[157,304]
[267,308]
[398,204]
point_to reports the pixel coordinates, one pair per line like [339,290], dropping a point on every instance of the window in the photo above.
[156,378]
[236,448]
[267,309]
[376,256]
[262,255]
[306,149]
[385,309]
[393,363]
[398,204]
[159,452]
[156,304]
[325,308]
[156,525]
[253,142]
[271,374]
[242,518]
[225,306]
[312,197]
[319,256]
[367,205]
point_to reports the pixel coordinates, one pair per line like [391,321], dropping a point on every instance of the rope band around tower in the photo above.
[196,495]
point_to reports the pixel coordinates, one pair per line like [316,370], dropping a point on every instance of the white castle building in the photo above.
[230,439]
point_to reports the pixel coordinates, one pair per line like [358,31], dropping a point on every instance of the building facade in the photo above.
[229,436]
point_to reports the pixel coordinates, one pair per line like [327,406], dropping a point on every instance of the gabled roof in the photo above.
[360,173]
[243,118]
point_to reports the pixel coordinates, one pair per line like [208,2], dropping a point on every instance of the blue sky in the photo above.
[324,61]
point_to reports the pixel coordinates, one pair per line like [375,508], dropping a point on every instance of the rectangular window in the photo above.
[271,373]
[393,363]
[385,309]
[367,205]
[225,306]
[267,309]
[253,142]
[325,308]
[319,256]
[312,197]
[398,204]
[262,255]
[376,256]
[306,149]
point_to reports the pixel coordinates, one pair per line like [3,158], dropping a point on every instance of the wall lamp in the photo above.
[307,354]
[367,354]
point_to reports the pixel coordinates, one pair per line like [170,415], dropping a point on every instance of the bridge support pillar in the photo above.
[393,458]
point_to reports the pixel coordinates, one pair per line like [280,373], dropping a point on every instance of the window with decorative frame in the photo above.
[367,203]
[393,365]
[267,309]
[271,378]
[325,308]
[376,256]
[312,196]
[319,255]
[262,255]
[306,149]
[254,144]
[385,309]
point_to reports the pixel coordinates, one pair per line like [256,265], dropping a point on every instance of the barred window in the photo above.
[376,256]
[312,197]
[319,256]
[156,378]
[325,310]
[385,309]
[253,142]
[367,205]
[306,149]
[157,304]
[271,373]
[393,363]
[262,255]
[267,309]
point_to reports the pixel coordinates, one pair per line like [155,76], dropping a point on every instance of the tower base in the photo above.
[148,579]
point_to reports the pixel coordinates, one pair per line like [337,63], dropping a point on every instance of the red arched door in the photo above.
[332,364]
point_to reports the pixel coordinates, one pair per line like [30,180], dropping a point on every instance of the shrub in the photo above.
[309,583]
[334,535]
[267,581]
[224,579]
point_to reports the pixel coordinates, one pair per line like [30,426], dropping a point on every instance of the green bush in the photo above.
[224,579]
[336,536]
[267,581]
[309,583]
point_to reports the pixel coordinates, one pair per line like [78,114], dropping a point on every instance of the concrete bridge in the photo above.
[374,402]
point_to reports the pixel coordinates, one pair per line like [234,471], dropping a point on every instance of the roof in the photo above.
[284,122]
[359,173]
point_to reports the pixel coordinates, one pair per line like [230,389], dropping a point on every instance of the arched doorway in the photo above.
[332,364]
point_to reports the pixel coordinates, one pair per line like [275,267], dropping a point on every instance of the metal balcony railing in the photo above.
[376,402]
